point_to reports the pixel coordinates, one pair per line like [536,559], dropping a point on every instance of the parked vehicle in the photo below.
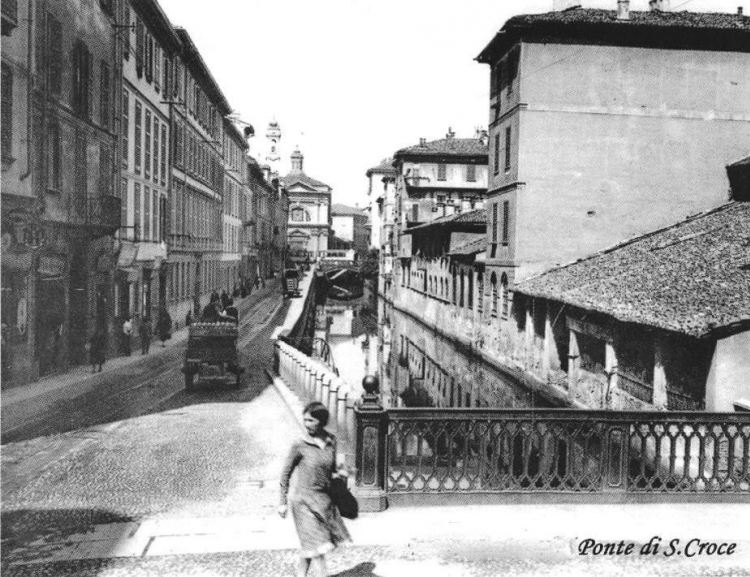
[211,354]
[290,283]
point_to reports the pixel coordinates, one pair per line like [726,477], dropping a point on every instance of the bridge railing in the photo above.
[429,452]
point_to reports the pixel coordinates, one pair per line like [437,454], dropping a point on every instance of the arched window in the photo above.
[461,296]
[493,288]
[504,296]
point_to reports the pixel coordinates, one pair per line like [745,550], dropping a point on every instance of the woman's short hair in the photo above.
[317,411]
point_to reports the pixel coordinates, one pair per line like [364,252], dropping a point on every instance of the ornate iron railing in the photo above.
[101,212]
[468,450]
[635,387]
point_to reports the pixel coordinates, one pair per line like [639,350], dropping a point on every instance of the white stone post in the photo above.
[660,375]
[610,366]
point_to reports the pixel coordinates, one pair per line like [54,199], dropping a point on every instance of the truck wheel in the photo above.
[238,380]
[189,386]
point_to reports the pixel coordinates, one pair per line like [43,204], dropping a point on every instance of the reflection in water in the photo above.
[416,366]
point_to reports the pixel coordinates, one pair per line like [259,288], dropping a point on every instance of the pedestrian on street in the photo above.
[97,348]
[127,333]
[318,522]
[189,318]
[224,299]
[164,327]
[145,331]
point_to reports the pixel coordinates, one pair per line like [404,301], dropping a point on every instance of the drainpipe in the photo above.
[29,88]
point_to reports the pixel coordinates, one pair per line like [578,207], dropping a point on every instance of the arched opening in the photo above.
[493,287]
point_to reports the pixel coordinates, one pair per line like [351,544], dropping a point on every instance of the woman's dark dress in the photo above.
[318,522]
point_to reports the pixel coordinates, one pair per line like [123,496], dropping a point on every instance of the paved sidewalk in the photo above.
[57,383]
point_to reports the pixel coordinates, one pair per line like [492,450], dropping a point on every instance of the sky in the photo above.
[352,81]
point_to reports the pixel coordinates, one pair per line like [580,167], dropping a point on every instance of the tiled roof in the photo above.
[448,147]
[692,278]
[301,177]
[386,166]
[655,18]
[703,30]
[478,216]
[343,210]
[471,247]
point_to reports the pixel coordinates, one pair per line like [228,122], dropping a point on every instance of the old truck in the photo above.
[211,354]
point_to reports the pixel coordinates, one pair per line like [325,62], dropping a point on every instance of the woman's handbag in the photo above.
[343,499]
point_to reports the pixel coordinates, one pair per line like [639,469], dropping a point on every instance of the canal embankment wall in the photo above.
[477,339]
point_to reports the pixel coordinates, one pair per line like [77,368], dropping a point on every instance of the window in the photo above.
[54,47]
[415,212]
[138,135]
[125,129]
[507,148]
[137,210]
[455,287]
[125,20]
[592,353]
[124,203]
[496,158]
[7,112]
[480,293]
[471,173]
[155,170]
[157,66]
[441,175]
[105,170]
[163,167]
[81,79]
[81,165]
[146,213]
[149,56]
[54,157]
[499,79]
[140,46]
[493,226]
[104,96]
[147,155]
[506,222]
[179,145]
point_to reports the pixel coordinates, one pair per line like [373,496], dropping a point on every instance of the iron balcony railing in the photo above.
[493,451]
[99,212]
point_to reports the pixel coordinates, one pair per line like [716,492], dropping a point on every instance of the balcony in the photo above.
[10,16]
[101,213]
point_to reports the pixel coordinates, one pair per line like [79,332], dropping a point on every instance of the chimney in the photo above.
[739,11]
[623,9]
[422,142]
[658,5]
[450,134]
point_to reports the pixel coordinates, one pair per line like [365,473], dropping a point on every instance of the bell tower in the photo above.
[273,141]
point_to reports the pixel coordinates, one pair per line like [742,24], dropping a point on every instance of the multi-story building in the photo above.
[60,77]
[235,174]
[149,46]
[309,210]
[20,206]
[382,195]
[196,221]
[349,225]
[605,124]
[436,179]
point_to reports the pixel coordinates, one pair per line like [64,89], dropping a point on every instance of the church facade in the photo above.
[309,225]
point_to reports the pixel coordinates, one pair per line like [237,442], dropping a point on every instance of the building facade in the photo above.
[593,117]
[149,48]
[381,192]
[349,226]
[196,211]
[438,178]
[60,195]
[309,224]
[235,174]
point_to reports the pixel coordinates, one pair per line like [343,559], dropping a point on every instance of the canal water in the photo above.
[416,366]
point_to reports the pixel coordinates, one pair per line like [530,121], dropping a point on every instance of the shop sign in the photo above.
[25,229]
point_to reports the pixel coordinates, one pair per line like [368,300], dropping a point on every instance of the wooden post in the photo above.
[660,375]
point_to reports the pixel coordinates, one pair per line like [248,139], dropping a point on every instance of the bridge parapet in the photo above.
[408,454]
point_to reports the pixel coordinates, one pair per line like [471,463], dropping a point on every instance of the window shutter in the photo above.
[7,112]
[104,98]
[54,47]
[139,47]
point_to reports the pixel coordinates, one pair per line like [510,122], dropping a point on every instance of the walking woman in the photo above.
[317,520]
